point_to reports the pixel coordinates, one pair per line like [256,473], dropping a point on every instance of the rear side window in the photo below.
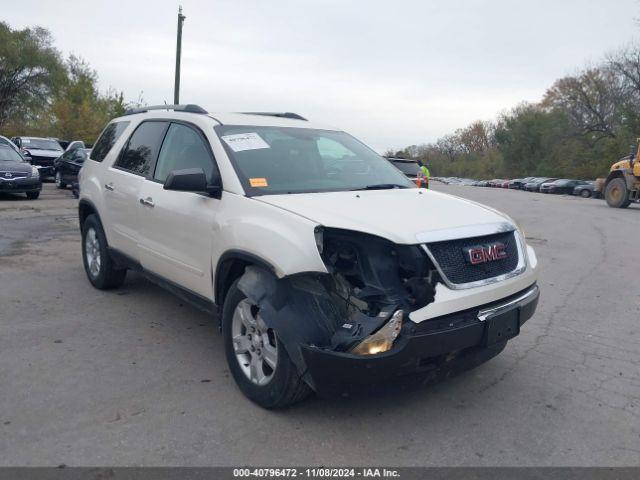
[109,137]
[142,148]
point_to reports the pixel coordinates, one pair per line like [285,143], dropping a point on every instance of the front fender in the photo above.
[279,238]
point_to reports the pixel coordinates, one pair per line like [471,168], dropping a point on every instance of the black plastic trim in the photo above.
[91,205]
[196,300]
[417,348]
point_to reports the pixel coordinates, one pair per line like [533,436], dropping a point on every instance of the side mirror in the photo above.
[192,180]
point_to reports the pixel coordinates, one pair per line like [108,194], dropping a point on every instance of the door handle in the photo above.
[147,202]
[109,186]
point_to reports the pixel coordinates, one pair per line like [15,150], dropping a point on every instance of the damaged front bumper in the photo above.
[435,348]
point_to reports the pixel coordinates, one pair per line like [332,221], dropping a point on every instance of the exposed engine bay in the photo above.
[369,279]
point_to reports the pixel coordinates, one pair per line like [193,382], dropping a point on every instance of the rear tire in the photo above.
[585,193]
[100,268]
[278,387]
[616,193]
[33,195]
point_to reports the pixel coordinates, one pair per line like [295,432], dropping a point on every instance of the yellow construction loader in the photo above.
[622,185]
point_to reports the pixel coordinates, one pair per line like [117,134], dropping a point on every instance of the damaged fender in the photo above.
[369,279]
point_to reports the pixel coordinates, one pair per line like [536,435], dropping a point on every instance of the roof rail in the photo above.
[190,108]
[291,115]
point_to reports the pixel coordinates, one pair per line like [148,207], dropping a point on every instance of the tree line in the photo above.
[44,94]
[583,123]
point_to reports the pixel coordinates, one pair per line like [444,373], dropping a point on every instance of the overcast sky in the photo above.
[393,73]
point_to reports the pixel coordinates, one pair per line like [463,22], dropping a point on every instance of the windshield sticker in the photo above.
[26,140]
[245,141]
[258,182]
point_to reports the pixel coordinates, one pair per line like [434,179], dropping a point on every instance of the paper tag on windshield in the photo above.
[245,141]
[258,182]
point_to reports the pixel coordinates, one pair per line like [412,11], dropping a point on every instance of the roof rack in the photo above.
[189,108]
[291,115]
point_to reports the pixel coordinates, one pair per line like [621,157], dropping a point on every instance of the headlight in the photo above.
[35,172]
[383,339]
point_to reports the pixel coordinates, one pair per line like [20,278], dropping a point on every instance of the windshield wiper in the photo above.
[380,186]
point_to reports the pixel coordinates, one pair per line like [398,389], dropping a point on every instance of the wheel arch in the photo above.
[231,266]
[617,174]
[86,208]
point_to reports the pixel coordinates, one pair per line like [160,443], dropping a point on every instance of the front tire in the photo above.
[33,195]
[616,194]
[257,358]
[98,264]
[585,193]
[59,181]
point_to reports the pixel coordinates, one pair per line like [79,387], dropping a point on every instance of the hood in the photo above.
[43,153]
[398,215]
[15,167]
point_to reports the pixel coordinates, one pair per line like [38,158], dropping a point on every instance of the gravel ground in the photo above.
[135,377]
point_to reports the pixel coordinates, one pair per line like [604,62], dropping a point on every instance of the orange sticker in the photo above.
[258,182]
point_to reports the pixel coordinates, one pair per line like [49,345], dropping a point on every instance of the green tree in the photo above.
[527,136]
[79,110]
[30,71]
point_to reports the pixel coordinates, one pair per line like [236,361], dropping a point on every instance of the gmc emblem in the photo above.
[478,254]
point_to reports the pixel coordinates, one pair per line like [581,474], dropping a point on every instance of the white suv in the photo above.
[328,269]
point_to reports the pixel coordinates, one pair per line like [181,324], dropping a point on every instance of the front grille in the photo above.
[450,257]
[13,175]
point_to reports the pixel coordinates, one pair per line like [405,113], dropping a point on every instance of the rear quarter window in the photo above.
[109,137]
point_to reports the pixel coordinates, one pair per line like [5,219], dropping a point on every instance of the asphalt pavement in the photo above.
[136,377]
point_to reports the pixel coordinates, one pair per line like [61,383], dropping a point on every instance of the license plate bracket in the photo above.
[502,327]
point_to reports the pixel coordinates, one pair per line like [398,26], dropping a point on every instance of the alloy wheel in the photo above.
[254,344]
[92,252]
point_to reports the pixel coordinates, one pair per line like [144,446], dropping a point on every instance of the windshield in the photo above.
[40,144]
[8,154]
[273,160]
[408,168]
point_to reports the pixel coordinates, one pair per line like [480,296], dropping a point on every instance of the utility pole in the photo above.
[176,89]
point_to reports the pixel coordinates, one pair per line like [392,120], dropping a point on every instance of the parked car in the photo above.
[586,190]
[279,227]
[518,183]
[496,182]
[6,142]
[561,186]
[67,166]
[42,151]
[546,184]
[17,175]
[482,183]
[75,144]
[407,166]
[534,185]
